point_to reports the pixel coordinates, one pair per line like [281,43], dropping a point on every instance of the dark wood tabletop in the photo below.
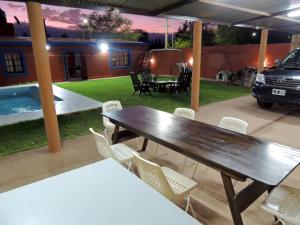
[238,154]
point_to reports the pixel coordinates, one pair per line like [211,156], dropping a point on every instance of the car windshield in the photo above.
[292,60]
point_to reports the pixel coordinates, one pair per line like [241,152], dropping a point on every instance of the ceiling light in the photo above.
[294,13]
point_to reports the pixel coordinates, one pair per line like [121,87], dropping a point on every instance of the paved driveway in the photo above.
[279,124]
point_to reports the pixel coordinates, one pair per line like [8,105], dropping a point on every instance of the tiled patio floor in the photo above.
[209,199]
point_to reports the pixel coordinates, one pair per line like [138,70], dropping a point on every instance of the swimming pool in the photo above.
[22,103]
[20,99]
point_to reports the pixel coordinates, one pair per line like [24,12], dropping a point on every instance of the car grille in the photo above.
[282,81]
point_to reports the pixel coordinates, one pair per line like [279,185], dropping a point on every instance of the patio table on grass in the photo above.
[235,156]
[162,85]
[101,193]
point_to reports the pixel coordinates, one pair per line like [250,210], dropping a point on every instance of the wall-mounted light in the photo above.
[103,47]
[191,61]
[152,61]
[47,47]
[266,62]
[254,34]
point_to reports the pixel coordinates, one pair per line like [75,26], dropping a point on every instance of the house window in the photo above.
[119,58]
[13,63]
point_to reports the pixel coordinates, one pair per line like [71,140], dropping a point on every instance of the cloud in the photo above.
[16,6]
[73,17]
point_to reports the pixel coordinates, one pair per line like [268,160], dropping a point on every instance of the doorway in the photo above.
[76,66]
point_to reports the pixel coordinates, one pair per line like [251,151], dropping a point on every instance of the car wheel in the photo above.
[264,105]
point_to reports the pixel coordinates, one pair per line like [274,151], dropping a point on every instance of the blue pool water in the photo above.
[20,99]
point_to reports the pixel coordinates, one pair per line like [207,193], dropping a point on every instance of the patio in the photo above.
[209,198]
[234,155]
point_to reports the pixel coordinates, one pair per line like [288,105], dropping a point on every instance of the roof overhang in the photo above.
[270,14]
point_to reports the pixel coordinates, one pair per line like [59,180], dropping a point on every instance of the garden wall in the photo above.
[216,58]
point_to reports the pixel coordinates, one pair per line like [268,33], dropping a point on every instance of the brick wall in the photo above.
[216,58]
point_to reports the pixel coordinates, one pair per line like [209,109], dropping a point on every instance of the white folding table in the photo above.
[103,193]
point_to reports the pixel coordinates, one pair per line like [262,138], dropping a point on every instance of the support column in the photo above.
[197,46]
[295,42]
[262,49]
[166,34]
[42,67]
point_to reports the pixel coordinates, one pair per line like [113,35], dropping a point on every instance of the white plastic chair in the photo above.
[120,152]
[111,106]
[234,124]
[182,112]
[284,203]
[168,182]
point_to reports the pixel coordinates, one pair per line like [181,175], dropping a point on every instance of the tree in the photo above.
[144,36]
[183,43]
[184,35]
[109,22]
[232,35]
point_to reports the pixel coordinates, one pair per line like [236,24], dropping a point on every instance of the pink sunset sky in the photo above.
[69,18]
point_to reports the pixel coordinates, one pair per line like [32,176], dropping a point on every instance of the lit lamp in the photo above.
[85,21]
[103,47]
[47,47]
[191,61]
[266,63]
[152,61]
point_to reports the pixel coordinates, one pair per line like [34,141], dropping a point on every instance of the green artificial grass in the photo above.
[31,134]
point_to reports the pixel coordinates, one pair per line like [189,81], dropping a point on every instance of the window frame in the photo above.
[115,50]
[3,64]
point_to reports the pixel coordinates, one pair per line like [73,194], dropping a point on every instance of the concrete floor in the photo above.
[281,125]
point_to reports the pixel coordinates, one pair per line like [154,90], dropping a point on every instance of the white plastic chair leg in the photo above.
[155,155]
[279,221]
[189,206]
[137,143]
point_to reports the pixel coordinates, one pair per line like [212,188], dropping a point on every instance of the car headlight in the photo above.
[260,78]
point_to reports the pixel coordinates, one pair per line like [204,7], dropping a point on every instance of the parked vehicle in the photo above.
[279,84]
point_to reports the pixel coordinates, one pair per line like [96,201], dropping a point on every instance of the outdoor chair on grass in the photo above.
[139,86]
[182,112]
[120,152]
[111,106]
[284,203]
[183,83]
[168,182]
[146,76]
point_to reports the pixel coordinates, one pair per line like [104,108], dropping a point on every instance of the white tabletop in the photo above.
[103,193]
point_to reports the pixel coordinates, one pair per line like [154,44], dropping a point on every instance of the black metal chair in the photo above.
[138,85]
[183,82]
[146,77]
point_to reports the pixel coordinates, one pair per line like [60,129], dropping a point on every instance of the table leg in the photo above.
[229,189]
[115,135]
[144,145]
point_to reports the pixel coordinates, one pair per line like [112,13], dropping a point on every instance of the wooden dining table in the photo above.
[234,155]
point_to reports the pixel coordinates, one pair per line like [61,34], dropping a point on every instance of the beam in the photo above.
[166,33]
[197,42]
[295,42]
[42,67]
[262,50]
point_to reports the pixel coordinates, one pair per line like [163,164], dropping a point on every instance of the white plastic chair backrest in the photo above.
[103,146]
[110,106]
[185,112]
[234,124]
[153,175]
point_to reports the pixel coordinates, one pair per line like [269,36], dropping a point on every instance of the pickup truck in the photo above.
[279,84]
